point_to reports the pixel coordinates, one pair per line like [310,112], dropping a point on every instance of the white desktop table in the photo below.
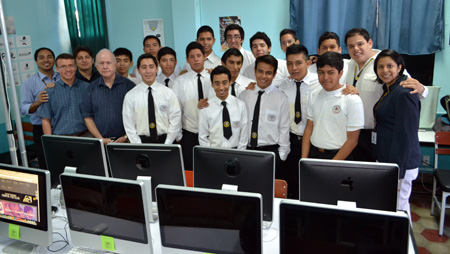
[426,137]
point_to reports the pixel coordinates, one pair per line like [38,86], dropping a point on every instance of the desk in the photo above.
[426,137]
[269,247]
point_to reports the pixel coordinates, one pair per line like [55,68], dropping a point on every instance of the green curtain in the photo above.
[93,28]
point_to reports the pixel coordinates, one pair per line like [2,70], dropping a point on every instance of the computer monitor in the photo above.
[319,228]
[369,185]
[251,171]
[25,205]
[206,220]
[163,163]
[86,154]
[106,211]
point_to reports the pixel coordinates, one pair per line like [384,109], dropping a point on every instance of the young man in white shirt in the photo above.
[167,58]
[190,88]
[232,59]
[334,120]
[234,36]
[297,88]
[205,36]
[261,45]
[151,112]
[287,38]
[224,122]
[268,112]
[124,61]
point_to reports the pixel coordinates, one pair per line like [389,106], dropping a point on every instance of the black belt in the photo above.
[160,139]
[298,137]
[321,150]
[265,148]
[79,134]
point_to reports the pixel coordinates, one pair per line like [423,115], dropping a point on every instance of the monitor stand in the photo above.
[19,247]
[67,169]
[151,206]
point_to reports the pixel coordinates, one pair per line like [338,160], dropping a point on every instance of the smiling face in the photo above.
[123,64]
[359,49]
[234,65]
[151,46]
[328,45]
[196,60]
[264,74]
[207,40]
[84,61]
[45,60]
[221,85]
[168,63]
[148,70]
[260,48]
[388,70]
[297,65]
[329,77]
[287,40]
[67,68]
[233,38]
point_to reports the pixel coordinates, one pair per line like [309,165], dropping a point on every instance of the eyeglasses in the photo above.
[236,37]
[286,43]
[64,67]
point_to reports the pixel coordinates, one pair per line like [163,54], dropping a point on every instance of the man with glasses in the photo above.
[234,35]
[102,105]
[287,38]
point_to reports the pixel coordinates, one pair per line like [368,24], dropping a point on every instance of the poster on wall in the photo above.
[154,27]
[223,23]
[21,57]
[10,26]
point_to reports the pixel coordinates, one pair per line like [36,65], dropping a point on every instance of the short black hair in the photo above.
[295,49]
[148,37]
[36,53]
[205,29]
[194,45]
[78,49]
[332,59]
[329,35]
[234,27]
[166,51]
[123,52]
[220,70]
[263,36]
[395,56]
[144,56]
[64,56]
[268,59]
[288,31]
[231,52]
[357,31]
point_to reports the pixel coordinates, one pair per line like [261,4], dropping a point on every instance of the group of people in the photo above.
[365,108]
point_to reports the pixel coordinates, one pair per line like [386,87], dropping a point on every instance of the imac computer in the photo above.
[25,205]
[369,185]
[86,154]
[250,171]
[106,213]
[319,228]
[163,163]
[206,220]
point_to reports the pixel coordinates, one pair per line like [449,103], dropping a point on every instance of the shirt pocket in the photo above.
[369,83]
[271,117]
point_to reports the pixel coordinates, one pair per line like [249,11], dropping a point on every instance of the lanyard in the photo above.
[359,74]
[378,104]
[42,79]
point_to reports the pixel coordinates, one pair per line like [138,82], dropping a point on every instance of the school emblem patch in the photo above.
[336,109]
[226,124]
[297,114]
[254,135]
[151,125]
[163,108]
[271,118]
[236,124]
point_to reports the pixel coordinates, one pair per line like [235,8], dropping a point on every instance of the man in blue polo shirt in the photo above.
[33,94]
[61,115]
[102,106]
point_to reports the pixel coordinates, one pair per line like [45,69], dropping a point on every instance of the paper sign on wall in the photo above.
[154,27]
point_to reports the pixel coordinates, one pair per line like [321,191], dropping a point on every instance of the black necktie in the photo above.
[200,88]
[233,92]
[151,116]
[167,81]
[226,121]
[298,107]
[255,122]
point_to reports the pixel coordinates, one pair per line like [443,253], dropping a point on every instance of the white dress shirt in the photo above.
[186,89]
[161,78]
[210,124]
[282,72]
[313,69]
[241,83]
[333,115]
[138,76]
[135,80]
[212,61]
[273,126]
[167,112]
[310,84]
[248,58]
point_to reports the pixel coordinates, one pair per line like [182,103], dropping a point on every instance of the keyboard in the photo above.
[81,250]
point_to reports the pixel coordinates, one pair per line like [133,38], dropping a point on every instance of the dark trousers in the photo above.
[364,150]
[290,174]
[278,165]
[188,142]
[37,134]
[159,140]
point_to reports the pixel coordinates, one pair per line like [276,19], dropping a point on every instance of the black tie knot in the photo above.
[224,103]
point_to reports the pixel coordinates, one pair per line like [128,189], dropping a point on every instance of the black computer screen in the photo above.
[196,219]
[370,185]
[309,229]
[251,171]
[105,206]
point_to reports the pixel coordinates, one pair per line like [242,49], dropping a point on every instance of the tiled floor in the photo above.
[425,226]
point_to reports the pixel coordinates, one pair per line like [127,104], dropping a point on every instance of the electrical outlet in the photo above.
[426,160]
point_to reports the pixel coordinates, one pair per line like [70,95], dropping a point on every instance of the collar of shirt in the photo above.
[193,74]
[332,94]
[267,90]
[144,87]
[376,51]
[117,81]
[63,84]
[396,83]
[171,77]
[306,80]
[43,77]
